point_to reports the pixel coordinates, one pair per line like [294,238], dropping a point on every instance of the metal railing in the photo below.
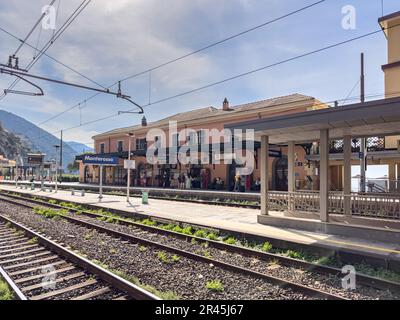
[373,144]
[385,206]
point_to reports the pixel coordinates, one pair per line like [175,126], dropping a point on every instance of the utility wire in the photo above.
[190,54]
[355,98]
[351,91]
[66,24]
[341,43]
[244,74]
[52,58]
[32,30]
[225,40]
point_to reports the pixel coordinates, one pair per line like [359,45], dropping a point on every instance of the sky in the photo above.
[112,40]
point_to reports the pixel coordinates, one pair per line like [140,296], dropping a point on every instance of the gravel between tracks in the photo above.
[186,277]
[328,283]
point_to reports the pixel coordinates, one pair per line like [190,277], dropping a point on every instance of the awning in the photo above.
[373,118]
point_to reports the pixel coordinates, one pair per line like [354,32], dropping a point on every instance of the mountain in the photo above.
[36,139]
[79,147]
[12,146]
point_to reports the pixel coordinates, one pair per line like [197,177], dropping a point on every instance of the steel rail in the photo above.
[312,292]
[14,288]
[115,281]
[365,280]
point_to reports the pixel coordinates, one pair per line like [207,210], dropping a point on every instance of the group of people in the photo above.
[184,181]
[218,184]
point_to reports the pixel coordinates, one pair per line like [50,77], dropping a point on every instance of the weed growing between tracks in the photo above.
[5,292]
[168,295]
[215,285]
[34,240]
[229,239]
[164,258]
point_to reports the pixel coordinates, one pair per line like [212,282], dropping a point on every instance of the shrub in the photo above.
[200,234]
[212,236]
[266,247]
[230,240]
[149,222]
[5,292]
[163,257]
[48,213]
[175,258]
[168,226]
[215,285]
[294,255]
[177,229]
[188,231]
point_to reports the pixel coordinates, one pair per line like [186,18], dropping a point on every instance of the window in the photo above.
[102,148]
[192,139]
[141,144]
[175,140]
[200,137]
[120,146]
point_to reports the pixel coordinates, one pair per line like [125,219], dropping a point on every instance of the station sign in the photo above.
[100,160]
[275,153]
[130,164]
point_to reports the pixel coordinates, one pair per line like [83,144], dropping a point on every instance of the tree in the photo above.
[74,166]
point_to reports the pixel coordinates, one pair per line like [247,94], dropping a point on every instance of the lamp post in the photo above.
[128,183]
[56,187]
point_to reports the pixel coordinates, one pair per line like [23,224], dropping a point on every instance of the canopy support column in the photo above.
[324,168]
[347,175]
[291,174]
[264,173]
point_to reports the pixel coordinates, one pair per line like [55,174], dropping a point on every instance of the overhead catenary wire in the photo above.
[351,91]
[66,24]
[32,30]
[53,59]
[332,102]
[247,73]
[211,45]
[341,43]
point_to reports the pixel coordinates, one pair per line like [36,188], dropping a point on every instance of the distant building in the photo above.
[6,167]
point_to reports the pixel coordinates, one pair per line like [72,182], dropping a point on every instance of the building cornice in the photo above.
[391,65]
[306,103]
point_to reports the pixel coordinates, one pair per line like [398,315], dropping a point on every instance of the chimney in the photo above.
[391,28]
[144,122]
[225,105]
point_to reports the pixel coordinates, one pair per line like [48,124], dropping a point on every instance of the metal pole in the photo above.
[61,154]
[129,172]
[42,176]
[101,183]
[363,142]
[56,174]
[16,173]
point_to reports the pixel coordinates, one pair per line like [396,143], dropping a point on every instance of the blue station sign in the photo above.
[100,160]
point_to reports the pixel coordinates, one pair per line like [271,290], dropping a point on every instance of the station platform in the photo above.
[237,220]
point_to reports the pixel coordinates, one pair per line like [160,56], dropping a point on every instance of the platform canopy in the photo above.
[374,118]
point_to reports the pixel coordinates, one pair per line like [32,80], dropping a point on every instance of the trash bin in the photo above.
[32,186]
[145,196]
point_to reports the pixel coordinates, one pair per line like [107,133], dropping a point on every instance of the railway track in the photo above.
[139,229]
[307,290]
[362,279]
[36,268]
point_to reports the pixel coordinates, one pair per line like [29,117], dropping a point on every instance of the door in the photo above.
[280,174]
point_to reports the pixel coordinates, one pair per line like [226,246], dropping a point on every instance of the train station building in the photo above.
[220,176]
[292,164]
